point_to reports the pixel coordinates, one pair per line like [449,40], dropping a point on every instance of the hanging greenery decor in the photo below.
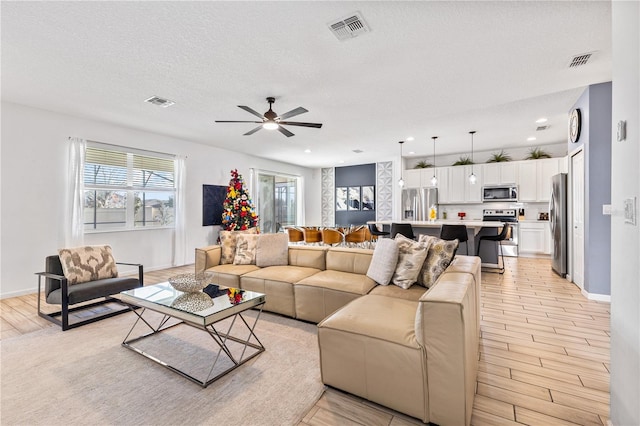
[422,165]
[238,211]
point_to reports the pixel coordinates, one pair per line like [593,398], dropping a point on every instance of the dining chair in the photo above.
[295,235]
[375,232]
[357,237]
[332,237]
[312,235]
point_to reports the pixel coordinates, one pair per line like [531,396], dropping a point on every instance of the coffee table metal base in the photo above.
[220,338]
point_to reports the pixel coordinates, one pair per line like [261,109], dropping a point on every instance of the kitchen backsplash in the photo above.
[474,211]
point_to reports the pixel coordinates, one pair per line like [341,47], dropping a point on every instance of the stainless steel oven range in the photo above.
[510,244]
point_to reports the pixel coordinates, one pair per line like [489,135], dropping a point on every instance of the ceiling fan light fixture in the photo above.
[270,125]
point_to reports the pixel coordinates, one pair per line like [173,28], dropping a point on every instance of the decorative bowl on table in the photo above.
[190,283]
[192,302]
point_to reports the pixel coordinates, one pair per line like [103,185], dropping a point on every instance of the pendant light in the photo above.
[472,177]
[401,181]
[434,179]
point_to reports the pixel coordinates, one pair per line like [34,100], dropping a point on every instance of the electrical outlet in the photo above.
[630,210]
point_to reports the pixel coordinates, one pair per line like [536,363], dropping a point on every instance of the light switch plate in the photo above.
[606,209]
[630,210]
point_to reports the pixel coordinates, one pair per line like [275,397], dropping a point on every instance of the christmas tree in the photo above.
[238,211]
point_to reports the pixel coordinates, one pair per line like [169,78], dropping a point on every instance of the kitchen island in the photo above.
[474,227]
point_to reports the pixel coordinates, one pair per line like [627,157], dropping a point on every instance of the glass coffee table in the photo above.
[200,311]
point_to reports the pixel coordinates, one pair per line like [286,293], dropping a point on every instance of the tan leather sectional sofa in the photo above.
[415,350]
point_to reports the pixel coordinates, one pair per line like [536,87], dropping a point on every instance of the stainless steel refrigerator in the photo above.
[417,201]
[558,223]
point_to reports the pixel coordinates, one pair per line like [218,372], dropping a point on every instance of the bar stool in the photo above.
[497,238]
[451,232]
[375,232]
[402,228]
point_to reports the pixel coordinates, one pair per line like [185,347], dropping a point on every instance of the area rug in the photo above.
[84,376]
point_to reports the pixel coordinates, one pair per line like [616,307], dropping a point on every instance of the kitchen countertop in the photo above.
[533,221]
[438,223]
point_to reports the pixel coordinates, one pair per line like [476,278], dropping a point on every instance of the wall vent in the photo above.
[349,27]
[580,60]
[358,151]
[161,102]
[540,128]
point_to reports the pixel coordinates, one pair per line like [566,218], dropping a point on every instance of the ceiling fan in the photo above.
[273,121]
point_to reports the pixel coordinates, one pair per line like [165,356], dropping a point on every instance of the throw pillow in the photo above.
[438,259]
[89,263]
[411,256]
[246,249]
[384,261]
[272,250]
[228,244]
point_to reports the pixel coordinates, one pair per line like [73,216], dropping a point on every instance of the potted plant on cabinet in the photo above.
[537,153]
[499,157]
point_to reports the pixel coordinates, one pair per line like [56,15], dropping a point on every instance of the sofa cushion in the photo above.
[228,244]
[94,289]
[288,274]
[246,249]
[88,263]
[308,257]
[337,280]
[272,250]
[411,256]
[384,261]
[229,275]
[438,258]
[414,292]
[352,260]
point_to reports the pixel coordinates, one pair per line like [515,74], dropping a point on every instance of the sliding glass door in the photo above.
[278,200]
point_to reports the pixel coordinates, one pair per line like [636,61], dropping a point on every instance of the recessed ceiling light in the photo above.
[411,152]
[308,151]
[410,138]
[541,120]
[532,138]
[341,161]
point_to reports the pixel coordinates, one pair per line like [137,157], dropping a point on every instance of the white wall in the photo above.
[625,238]
[34,171]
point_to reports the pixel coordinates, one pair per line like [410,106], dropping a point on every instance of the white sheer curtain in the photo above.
[180,244]
[74,232]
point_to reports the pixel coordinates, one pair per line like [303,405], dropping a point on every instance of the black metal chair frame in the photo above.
[375,232]
[402,228]
[497,238]
[65,310]
[452,232]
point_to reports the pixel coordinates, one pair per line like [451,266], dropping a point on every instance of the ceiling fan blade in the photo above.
[251,111]
[285,131]
[250,132]
[297,123]
[293,113]
[227,121]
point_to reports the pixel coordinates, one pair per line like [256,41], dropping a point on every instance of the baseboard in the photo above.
[596,297]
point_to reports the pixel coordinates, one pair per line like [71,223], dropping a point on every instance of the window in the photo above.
[127,189]
[278,200]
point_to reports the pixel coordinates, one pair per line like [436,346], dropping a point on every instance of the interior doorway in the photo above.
[577,219]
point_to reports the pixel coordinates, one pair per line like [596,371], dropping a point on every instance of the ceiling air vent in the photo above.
[358,151]
[349,27]
[539,128]
[579,60]
[161,102]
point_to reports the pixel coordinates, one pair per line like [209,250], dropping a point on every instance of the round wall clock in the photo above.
[575,124]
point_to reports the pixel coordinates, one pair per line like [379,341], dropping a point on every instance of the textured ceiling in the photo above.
[425,69]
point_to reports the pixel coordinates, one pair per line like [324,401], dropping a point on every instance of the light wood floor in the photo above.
[544,353]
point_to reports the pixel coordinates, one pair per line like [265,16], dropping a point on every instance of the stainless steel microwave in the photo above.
[500,193]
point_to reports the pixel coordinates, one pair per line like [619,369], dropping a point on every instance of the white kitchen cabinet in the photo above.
[528,182]
[534,184]
[499,173]
[458,179]
[442,174]
[412,178]
[533,238]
